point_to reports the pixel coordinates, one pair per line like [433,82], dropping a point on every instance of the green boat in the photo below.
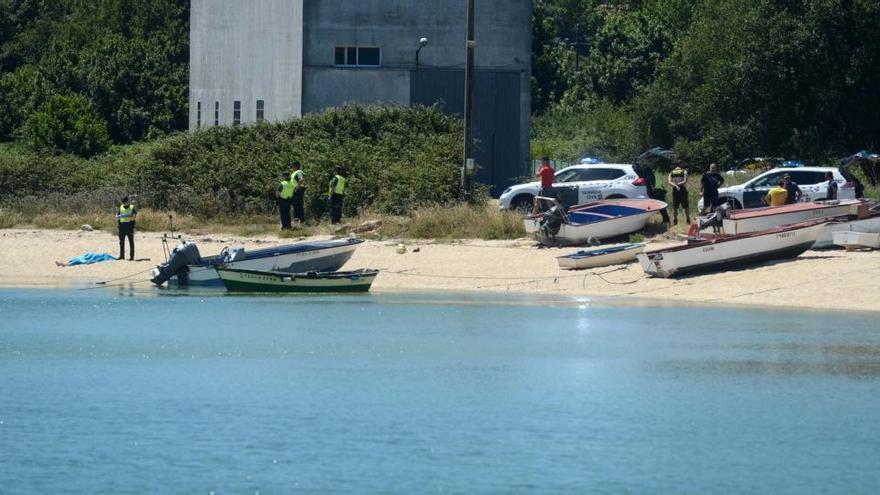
[239,280]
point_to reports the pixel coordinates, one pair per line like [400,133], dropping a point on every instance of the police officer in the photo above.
[284,192]
[336,194]
[297,177]
[126,217]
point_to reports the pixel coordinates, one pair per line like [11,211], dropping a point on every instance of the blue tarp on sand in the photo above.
[89,258]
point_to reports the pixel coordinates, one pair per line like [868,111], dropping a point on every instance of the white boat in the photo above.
[723,253]
[857,240]
[186,267]
[867,220]
[602,256]
[600,220]
[758,219]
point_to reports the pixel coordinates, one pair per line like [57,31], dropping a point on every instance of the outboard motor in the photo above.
[716,220]
[552,221]
[186,253]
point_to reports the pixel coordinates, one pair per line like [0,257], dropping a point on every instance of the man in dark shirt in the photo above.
[794,191]
[831,192]
[710,183]
[647,173]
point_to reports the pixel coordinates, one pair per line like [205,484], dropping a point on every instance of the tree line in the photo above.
[716,80]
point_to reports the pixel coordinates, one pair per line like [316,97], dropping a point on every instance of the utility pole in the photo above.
[467,182]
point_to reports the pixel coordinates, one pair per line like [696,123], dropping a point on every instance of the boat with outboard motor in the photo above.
[726,252]
[187,267]
[600,220]
[237,280]
[733,222]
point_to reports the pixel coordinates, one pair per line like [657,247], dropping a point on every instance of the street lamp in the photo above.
[422,43]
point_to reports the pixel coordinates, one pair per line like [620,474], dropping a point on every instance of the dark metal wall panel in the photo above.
[496,117]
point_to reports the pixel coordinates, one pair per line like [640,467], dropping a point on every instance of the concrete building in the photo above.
[276,59]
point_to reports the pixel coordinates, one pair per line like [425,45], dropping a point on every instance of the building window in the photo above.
[236,112]
[198,115]
[216,113]
[358,56]
[261,110]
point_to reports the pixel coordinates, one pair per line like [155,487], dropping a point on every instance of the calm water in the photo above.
[118,392]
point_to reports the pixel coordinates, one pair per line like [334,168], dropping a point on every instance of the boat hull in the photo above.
[268,281]
[857,240]
[867,225]
[319,260]
[635,214]
[729,253]
[760,219]
[577,261]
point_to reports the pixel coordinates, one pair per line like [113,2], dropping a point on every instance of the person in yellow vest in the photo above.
[677,179]
[283,193]
[336,194]
[126,216]
[299,188]
[776,196]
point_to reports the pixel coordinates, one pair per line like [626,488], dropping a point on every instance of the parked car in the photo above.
[811,180]
[581,184]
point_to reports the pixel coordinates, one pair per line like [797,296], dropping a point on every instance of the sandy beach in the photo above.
[832,279]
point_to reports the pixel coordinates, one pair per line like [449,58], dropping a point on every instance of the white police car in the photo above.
[580,184]
[811,180]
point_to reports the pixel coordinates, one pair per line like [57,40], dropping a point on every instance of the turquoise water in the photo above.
[113,391]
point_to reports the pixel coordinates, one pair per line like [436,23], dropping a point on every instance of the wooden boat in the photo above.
[723,253]
[601,220]
[270,281]
[760,219]
[186,266]
[857,240]
[602,256]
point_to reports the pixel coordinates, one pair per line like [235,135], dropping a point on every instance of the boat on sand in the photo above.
[727,252]
[601,256]
[600,220]
[310,282]
[734,222]
[187,267]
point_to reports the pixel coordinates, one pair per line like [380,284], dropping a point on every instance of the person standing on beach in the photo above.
[297,177]
[647,173]
[831,191]
[677,179]
[794,190]
[283,193]
[547,174]
[709,184]
[126,217]
[336,194]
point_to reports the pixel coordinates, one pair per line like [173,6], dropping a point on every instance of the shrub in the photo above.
[68,124]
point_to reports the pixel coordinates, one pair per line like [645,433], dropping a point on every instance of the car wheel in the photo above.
[522,203]
[736,204]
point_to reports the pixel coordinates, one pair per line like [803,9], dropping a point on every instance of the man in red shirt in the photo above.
[547,174]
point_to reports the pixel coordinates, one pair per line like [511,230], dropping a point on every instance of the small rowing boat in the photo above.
[852,240]
[603,256]
[239,280]
[726,252]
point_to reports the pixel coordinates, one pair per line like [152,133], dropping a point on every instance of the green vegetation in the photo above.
[716,80]
[397,159]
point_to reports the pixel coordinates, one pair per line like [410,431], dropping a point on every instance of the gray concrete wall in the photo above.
[245,51]
[325,87]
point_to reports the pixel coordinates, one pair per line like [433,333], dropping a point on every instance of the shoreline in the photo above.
[817,280]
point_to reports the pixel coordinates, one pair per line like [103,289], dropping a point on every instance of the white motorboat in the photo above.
[186,267]
[602,256]
[857,240]
[737,222]
[600,220]
[726,252]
